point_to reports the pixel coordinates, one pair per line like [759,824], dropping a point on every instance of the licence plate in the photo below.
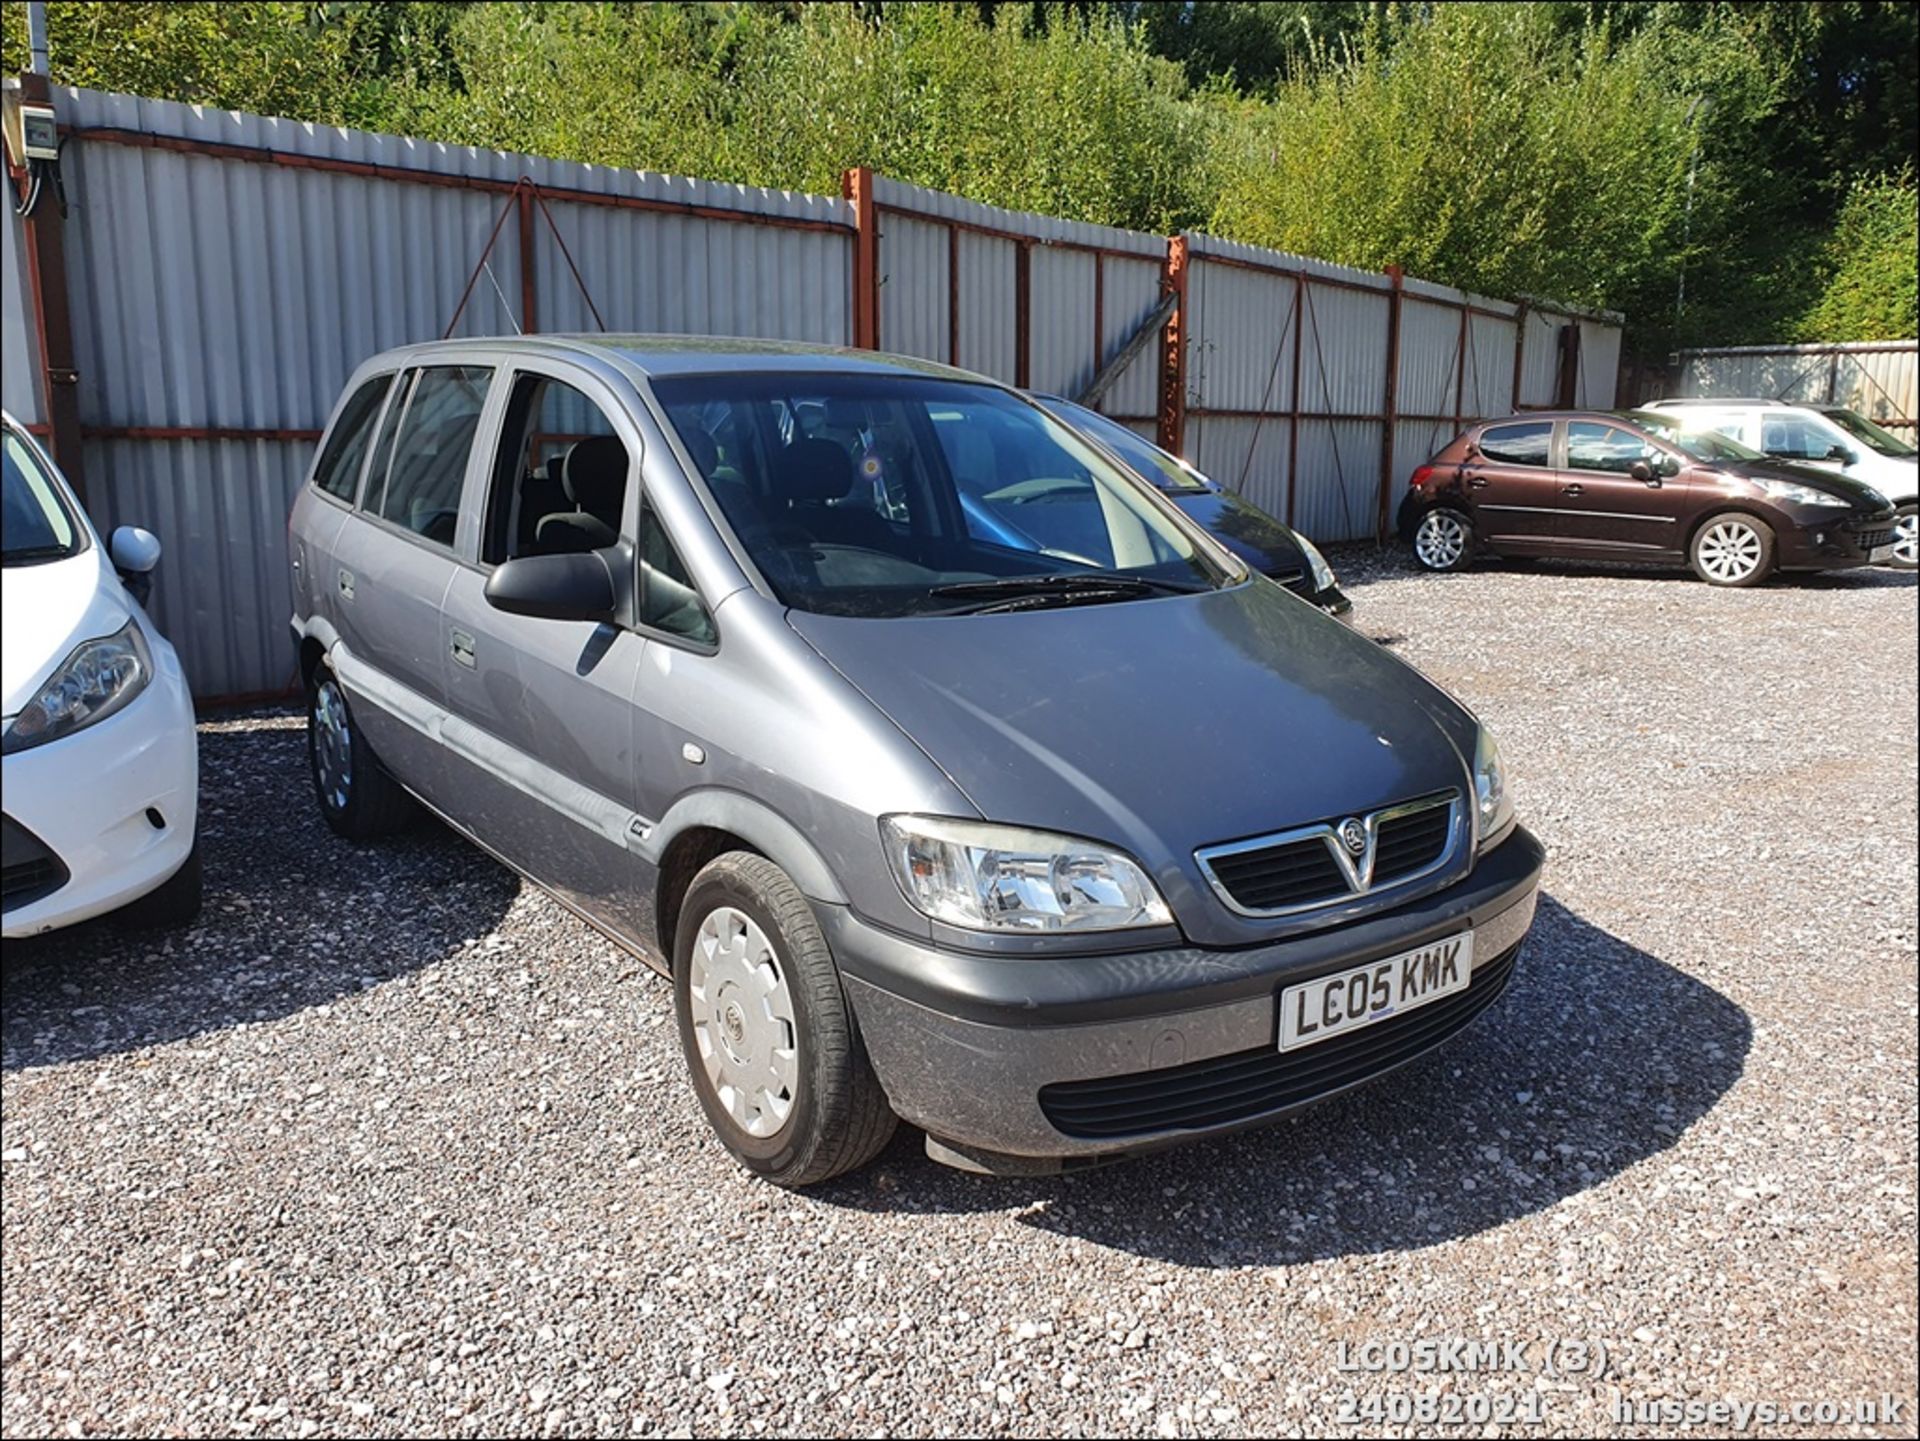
[1880,554]
[1334,1005]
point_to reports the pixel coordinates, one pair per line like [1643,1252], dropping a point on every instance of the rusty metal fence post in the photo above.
[1391,409]
[1173,351]
[46,258]
[856,187]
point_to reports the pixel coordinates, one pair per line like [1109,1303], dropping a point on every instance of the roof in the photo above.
[1712,400]
[670,355]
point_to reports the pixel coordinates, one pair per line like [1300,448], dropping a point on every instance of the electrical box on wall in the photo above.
[30,128]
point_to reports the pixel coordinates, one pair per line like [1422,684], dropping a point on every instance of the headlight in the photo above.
[1796,494]
[1493,806]
[99,678]
[1002,878]
[1323,576]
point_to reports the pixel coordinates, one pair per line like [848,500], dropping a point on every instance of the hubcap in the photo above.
[332,745]
[1441,539]
[743,1022]
[1730,550]
[1906,539]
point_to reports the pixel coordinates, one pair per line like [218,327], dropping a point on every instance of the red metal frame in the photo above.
[45,253]
[1023,315]
[856,186]
[1173,351]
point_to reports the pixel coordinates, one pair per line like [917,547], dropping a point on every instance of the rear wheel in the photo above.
[1443,540]
[358,798]
[1906,537]
[1732,549]
[769,1038]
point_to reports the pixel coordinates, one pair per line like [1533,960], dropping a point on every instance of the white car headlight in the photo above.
[1493,804]
[1003,878]
[1323,576]
[99,678]
[1796,494]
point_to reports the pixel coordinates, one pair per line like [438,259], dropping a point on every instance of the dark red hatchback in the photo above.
[1634,486]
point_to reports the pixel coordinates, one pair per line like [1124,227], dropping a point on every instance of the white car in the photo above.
[1827,437]
[98,754]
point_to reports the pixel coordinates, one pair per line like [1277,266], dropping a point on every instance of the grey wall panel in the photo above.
[1599,365]
[987,325]
[1130,290]
[1339,484]
[1881,380]
[1489,373]
[688,275]
[1540,358]
[1240,348]
[19,345]
[1431,359]
[220,508]
[1343,352]
[1060,320]
[914,297]
[1244,454]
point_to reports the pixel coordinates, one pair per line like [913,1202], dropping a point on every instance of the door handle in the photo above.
[1573,489]
[1478,482]
[461,644]
[346,585]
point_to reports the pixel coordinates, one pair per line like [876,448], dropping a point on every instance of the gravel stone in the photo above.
[388,1143]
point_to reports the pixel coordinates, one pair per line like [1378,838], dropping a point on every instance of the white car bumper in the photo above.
[86,799]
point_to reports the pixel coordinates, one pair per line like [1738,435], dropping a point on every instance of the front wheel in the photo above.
[769,1038]
[1443,540]
[1733,550]
[1906,537]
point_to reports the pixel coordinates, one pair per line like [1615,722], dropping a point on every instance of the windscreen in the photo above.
[886,495]
[1857,425]
[1154,465]
[37,524]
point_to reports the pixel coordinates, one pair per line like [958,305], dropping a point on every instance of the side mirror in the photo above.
[1643,471]
[1668,465]
[1843,454]
[135,552]
[578,586]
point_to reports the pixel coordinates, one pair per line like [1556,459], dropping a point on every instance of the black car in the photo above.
[1273,549]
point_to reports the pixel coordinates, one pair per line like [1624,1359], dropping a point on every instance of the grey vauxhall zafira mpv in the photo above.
[946,768]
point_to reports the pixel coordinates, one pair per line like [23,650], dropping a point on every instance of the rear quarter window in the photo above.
[1528,443]
[337,471]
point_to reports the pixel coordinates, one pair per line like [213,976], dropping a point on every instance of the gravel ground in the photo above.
[389,1143]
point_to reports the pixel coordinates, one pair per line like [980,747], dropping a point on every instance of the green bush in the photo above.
[1871,281]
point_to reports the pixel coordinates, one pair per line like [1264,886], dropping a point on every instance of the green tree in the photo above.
[1870,270]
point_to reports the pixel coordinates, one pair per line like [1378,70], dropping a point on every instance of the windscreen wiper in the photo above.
[1103,581]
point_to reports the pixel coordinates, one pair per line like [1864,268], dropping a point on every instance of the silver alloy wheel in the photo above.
[743,1021]
[1906,539]
[1730,551]
[1440,540]
[332,744]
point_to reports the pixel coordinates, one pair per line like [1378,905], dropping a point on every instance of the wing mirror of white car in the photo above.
[1843,454]
[135,553]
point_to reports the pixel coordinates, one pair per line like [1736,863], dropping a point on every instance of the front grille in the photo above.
[1250,1084]
[29,870]
[1299,869]
[1872,539]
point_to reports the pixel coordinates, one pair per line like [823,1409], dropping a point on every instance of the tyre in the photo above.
[1906,537]
[1732,549]
[769,1038]
[1443,540]
[175,902]
[358,798]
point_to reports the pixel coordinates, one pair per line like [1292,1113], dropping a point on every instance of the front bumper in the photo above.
[1082,1057]
[1823,544]
[78,809]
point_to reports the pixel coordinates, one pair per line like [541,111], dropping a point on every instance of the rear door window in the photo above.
[431,445]
[1529,443]
[337,471]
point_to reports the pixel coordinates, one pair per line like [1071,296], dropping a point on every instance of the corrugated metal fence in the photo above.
[1878,379]
[226,272]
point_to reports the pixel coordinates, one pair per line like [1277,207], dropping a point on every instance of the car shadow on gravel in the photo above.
[1598,1057]
[294,916]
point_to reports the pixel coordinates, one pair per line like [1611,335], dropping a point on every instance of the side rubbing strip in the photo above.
[580,804]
